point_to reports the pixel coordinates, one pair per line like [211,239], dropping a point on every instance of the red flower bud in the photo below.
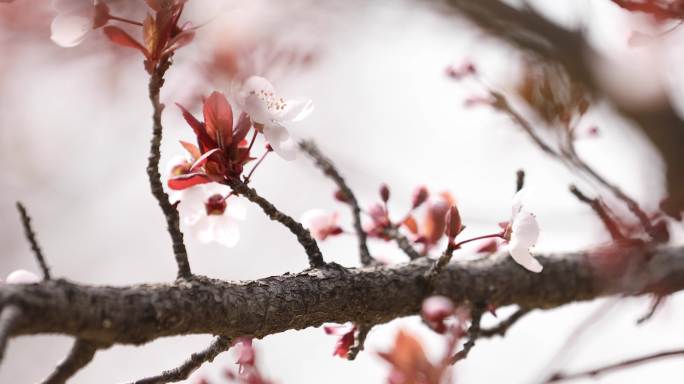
[384,192]
[420,196]
[341,196]
[435,310]
[454,225]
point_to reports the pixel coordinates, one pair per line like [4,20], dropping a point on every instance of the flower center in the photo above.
[273,103]
[215,205]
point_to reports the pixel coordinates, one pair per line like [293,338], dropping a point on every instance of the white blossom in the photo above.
[75,18]
[265,107]
[524,232]
[22,276]
[209,217]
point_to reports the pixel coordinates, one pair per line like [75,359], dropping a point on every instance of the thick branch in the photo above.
[9,317]
[170,212]
[329,170]
[220,344]
[82,352]
[141,313]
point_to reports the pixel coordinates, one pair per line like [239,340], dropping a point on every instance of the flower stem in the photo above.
[123,20]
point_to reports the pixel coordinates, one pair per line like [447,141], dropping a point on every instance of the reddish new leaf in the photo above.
[203,159]
[179,183]
[192,149]
[205,142]
[120,37]
[218,119]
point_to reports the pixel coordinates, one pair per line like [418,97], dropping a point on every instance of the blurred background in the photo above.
[75,127]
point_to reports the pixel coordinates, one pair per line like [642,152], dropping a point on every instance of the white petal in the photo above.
[70,6]
[226,233]
[69,30]
[236,208]
[315,219]
[281,141]
[203,229]
[22,276]
[191,207]
[173,163]
[524,235]
[295,110]
[255,103]
[518,201]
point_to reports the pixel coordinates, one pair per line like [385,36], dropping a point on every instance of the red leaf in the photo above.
[410,223]
[218,119]
[203,159]
[192,149]
[101,15]
[179,183]
[119,36]
[206,143]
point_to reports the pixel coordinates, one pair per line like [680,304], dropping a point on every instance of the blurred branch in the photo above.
[303,235]
[81,353]
[359,344]
[328,168]
[170,212]
[31,237]
[9,317]
[473,334]
[219,345]
[503,327]
[528,30]
[601,211]
[558,377]
[392,232]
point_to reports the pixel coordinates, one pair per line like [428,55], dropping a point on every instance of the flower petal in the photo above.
[69,30]
[226,233]
[296,110]
[524,235]
[236,209]
[518,201]
[188,180]
[255,93]
[22,276]
[191,207]
[281,141]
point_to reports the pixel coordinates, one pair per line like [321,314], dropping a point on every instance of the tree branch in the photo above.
[328,168]
[503,327]
[303,235]
[170,212]
[614,367]
[528,30]
[219,345]
[402,241]
[601,211]
[82,352]
[140,313]
[31,237]
[9,318]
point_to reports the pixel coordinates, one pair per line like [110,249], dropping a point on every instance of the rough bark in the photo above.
[140,313]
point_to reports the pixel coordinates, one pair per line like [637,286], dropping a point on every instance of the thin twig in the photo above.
[329,170]
[170,212]
[503,327]
[9,317]
[82,353]
[614,367]
[182,372]
[657,301]
[303,235]
[519,180]
[402,241]
[439,265]
[360,341]
[611,225]
[31,237]
[473,335]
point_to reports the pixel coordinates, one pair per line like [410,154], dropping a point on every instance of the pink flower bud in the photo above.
[384,192]
[420,195]
[454,225]
[435,310]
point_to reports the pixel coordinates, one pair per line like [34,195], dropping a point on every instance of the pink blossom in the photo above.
[22,276]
